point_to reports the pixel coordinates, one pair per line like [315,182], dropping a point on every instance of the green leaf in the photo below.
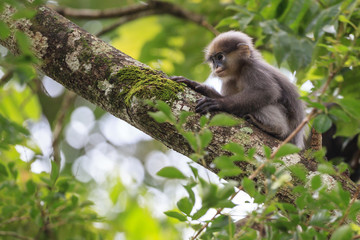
[3,170]
[179,216]
[220,222]
[166,109]
[115,191]
[195,171]
[267,151]
[230,172]
[201,212]
[227,190]
[185,205]
[191,138]
[24,13]
[86,203]
[205,138]
[320,218]
[160,117]
[339,114]
[234,148]
[23,43]
[316,182]
[4,30]
[183,117]
[224,120]
[351,106]
[326,17]
[322,123]
[30,187]
[171,172]
[299,171]
[249,186]
[287,149]
[342,233]
[74,200]
[282,45]
[354,210]
[326,168]
[224,204]
[203,121]
[12,99]
[188,188]
[226,22]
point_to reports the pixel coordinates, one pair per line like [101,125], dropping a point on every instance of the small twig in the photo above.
[14,219]
[7,76]
[354,198]
[59,127]
[15,235]
[124,20]
[298,129]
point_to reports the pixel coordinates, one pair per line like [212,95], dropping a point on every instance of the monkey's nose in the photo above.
[219,70]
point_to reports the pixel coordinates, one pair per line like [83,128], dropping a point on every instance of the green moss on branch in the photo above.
[145,83]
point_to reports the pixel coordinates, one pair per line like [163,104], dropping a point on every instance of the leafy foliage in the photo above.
[320,210]
[318,41]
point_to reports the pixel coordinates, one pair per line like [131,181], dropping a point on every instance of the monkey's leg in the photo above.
[271,119]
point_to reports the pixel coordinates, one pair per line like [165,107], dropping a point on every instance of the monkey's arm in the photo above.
[252,98]
[198,87]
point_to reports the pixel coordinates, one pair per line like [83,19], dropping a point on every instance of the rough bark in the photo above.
[106,77]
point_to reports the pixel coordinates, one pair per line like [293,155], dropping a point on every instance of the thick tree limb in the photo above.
[102,74]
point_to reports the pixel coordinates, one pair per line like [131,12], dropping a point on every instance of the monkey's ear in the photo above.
[244,50]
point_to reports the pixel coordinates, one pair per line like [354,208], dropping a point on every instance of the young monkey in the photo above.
[251,88]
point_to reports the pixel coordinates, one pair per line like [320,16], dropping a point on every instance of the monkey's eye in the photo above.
[220,57]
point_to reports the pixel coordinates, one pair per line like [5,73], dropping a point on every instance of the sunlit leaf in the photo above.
[249,186]
[342,233]
[201,212]
[185,205]
[316,182]
[322,123]
[224,120]
[287,149]
[171,172]
[299,171]
[205,138]
[179,216]
[326,168]
[160,117]
[350,105]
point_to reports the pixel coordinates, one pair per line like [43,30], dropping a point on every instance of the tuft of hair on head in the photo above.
[230,41]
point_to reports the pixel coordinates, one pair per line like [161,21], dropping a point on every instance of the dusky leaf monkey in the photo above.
[251,88]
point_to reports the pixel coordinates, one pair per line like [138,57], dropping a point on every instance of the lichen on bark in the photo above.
[145,83]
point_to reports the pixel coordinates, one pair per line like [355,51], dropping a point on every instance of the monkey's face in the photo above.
[227,52]
[218,64]
[227,64]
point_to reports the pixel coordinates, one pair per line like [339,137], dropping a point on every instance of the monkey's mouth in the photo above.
[219,71]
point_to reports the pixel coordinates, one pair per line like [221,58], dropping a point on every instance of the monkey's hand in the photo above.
[206,105]
[197,87]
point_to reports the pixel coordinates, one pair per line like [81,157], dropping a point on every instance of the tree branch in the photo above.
[152,7]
